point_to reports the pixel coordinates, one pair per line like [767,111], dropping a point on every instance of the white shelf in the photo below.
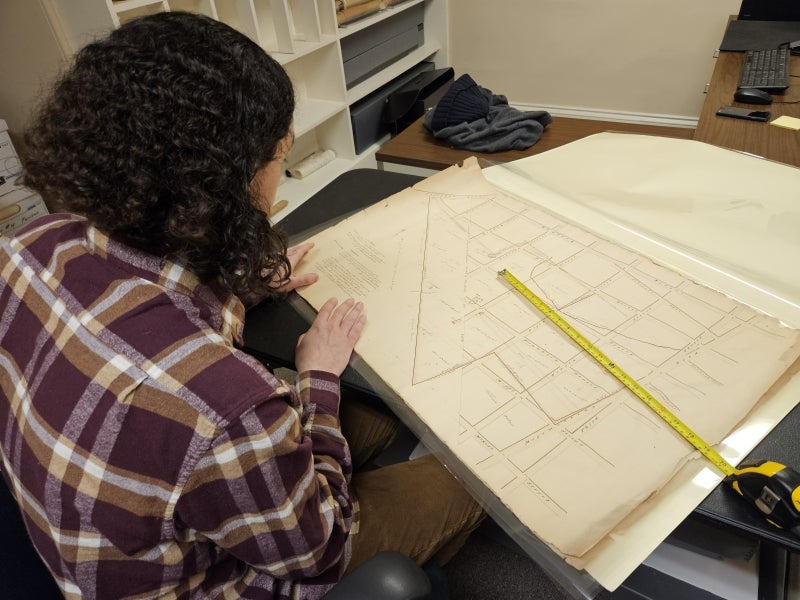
[129,9]
[397,68]
[302,49]
[204,7]
[310,113]
[124,5]
[368,21]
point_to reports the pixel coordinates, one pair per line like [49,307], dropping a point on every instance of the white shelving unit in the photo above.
[303,36]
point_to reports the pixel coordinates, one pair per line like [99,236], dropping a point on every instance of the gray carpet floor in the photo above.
[488,569]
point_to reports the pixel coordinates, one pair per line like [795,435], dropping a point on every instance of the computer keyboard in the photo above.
[766,69]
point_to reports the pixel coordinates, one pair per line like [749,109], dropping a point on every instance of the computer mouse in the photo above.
[752,96]
[794,47]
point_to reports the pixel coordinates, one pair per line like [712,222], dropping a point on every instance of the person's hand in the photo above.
[328,344]
[295,254]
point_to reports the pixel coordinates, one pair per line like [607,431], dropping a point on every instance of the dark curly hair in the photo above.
[155,133]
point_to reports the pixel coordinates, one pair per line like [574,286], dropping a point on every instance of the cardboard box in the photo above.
[19,213]
[18,205]
[10,165]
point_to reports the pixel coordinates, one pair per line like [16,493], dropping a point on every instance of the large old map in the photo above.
[554,436]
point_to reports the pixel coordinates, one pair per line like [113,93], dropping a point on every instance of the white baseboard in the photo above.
[418,171]
[613,115]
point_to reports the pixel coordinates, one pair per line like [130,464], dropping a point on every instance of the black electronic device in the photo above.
[752,96]
[794,47]
[744,113]
[769,10]
[746,35]
[414,99]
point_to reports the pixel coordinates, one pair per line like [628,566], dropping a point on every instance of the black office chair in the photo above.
[385,576]
[23,576]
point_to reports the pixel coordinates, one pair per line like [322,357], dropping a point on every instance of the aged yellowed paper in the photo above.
[550,433]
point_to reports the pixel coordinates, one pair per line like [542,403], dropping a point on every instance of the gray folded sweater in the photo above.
[501,128]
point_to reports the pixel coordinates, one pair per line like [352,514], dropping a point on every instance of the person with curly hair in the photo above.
[149,455]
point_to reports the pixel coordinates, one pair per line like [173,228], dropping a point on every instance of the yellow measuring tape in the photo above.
[662,411]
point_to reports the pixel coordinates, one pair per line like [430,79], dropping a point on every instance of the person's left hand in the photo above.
[295,254]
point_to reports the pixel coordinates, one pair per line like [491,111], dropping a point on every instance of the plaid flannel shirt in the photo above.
[149,456]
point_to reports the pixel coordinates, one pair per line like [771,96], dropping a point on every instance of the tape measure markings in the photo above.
[662,411]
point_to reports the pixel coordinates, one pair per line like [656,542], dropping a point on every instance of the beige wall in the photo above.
[546,53]
[31,57]
[625,56]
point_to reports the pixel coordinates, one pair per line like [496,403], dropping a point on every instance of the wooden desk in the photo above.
[761,139]
[416,147]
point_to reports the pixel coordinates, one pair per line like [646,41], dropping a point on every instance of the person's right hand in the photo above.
[295,254]
[328,344]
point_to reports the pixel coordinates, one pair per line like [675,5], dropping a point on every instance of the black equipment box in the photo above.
[366,52]
[417,97]
[399,103]
[366,115]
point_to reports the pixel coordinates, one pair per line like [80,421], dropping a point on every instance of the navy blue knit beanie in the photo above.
[464,102]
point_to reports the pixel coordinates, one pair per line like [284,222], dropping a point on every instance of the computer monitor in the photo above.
[769,10]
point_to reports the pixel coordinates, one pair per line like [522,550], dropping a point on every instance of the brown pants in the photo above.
[415,507]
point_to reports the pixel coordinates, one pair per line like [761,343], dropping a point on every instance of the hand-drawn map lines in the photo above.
[523,379]
[555,438]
